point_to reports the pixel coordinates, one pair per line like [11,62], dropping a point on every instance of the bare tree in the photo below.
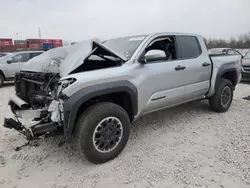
[242,41]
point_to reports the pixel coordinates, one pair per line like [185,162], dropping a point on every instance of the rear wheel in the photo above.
[222,99]
[102,132]
[1,80]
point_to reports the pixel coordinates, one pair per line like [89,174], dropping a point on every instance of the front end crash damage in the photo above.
[39,86]
[36,99]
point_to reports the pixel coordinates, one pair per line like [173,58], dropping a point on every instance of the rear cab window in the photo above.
[190,47]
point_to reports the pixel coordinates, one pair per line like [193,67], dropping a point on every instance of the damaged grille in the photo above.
[36,88]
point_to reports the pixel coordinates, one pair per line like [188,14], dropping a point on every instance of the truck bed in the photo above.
[218,59]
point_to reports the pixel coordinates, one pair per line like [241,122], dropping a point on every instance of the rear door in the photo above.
[198,67]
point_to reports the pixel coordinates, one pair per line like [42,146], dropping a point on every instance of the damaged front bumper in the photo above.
[33,132]
[12,124]
[48,118]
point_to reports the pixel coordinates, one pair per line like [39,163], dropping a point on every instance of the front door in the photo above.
[163,78]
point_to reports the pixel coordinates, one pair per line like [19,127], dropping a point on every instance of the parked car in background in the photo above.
[226,51]
[243,51]
[12,63]
[246,67]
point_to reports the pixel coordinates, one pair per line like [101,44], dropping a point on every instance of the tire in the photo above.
[1,80]
[217,102]
[96,119]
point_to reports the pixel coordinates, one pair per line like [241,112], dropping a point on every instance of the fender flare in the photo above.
[224,69]
[74,102]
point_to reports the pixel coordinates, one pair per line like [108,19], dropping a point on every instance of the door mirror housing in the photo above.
[143,60]
[9,61]
[153,55]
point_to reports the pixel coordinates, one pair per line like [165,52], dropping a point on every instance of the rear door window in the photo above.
[190,47]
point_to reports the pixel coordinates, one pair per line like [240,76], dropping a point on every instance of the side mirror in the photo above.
[154,55]
[9,61]
[143,60]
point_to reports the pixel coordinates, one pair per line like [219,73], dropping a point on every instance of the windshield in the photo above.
[126,45]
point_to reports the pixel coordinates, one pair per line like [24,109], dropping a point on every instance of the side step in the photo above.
[34,132]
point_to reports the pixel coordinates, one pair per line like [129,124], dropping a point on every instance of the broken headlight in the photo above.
[64,84]
[55,61]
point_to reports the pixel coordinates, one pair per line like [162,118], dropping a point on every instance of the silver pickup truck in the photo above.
[93,91]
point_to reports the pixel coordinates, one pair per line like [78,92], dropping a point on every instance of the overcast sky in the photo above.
[81,19]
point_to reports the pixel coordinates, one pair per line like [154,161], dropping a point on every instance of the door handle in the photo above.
[205,64]
[179,67]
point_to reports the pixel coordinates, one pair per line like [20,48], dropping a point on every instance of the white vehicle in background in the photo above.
[243,51]
[246,67]
[12,63]
[226,51]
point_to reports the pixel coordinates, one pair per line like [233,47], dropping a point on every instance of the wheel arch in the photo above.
[1,73]
[227,72]
[83,98]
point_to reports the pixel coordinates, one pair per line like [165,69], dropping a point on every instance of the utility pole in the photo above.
[16,36]
[39,33]
[17,40]
[40,36]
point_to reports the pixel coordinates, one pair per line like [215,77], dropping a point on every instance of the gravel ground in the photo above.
[186,146]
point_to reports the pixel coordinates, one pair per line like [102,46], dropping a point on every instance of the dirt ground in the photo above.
[186,146]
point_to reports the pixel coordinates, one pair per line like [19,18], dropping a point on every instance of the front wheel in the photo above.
[222,99]
[102,132]
[1,80]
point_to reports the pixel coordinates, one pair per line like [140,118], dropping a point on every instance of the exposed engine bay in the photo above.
[37,89]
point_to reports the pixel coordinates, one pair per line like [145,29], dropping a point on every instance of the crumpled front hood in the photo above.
[64,60]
